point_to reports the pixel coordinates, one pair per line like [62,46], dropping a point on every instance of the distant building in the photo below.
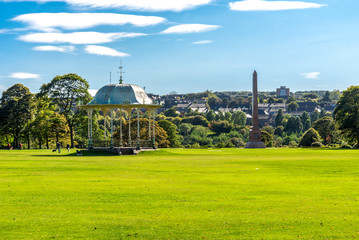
[283,92]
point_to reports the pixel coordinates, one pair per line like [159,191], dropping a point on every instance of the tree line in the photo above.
[53,115]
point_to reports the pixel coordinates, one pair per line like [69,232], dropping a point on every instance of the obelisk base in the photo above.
[255,145]
[255,139]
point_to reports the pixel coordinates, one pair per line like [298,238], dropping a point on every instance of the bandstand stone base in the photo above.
[121,150]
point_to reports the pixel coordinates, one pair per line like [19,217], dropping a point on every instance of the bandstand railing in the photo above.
[117,143]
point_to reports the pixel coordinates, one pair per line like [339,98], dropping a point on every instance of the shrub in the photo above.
[195,145]
[317,144]
[346,146]
[220,145]
[293,144]
[309,137]
[237,142]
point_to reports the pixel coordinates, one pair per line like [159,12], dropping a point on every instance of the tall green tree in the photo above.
[292,106]
[66,91]
[15,111]
[325,126]
[171,130]
[279,118]
[42,115]
[346,113]
[210,116]
[314,116]
[239,118]
[326,97]
[305,118]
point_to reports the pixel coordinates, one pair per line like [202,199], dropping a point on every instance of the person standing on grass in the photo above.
[20,146]
[58,146]
[8,146]
[68,147]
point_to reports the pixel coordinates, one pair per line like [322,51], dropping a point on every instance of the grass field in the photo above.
[181,194]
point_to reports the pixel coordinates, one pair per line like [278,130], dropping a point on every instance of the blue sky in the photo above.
[182,45]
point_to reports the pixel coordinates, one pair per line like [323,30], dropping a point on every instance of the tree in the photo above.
[185,129]
[326,97]
[304,117]
[278,131]
[346,113]
[279,118]
[310,136]
[290,99]
[335,94]
[171,112]
[210,116]
[239,118]
[15,111]
[228,116]
[221,127]
[293,125]
[315,116]
[292,106]
[65,91]
[311,95]
[42,117]
[266,137]
[325,127]
[171,130]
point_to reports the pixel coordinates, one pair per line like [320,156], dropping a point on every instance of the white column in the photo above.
[121,127]
[149,124]
[129,128]
[88,128]
[104,123]
[111,127]
[138,128]
[91,135]
[154,131]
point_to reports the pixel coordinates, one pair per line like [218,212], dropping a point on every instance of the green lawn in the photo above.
[181,194]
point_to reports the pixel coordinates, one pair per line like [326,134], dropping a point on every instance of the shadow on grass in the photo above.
[85,153]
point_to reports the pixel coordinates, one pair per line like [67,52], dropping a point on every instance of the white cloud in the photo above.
[24,75]
[203,42]
[77,37]
[104,51]
[92,92]
[142,5]
[190,28]
[311,75]
[49,22]
[262,5]
[55,48]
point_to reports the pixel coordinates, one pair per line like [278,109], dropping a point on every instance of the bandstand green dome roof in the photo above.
[125,94]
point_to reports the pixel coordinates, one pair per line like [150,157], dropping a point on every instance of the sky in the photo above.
[181,45]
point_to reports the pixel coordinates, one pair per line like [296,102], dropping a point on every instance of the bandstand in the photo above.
[123,97]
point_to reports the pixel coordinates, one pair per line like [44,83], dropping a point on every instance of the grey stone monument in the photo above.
[255,131]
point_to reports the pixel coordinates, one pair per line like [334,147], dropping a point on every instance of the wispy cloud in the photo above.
[50,22]
[263,5]
[24,75]
[55,48]
[104,51]
[77,37]
[203,42]
[189,28]
[311,75]
[141,5]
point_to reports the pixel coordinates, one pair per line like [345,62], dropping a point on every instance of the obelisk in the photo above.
[255,131]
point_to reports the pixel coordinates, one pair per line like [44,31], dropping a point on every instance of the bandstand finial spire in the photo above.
[121,72]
